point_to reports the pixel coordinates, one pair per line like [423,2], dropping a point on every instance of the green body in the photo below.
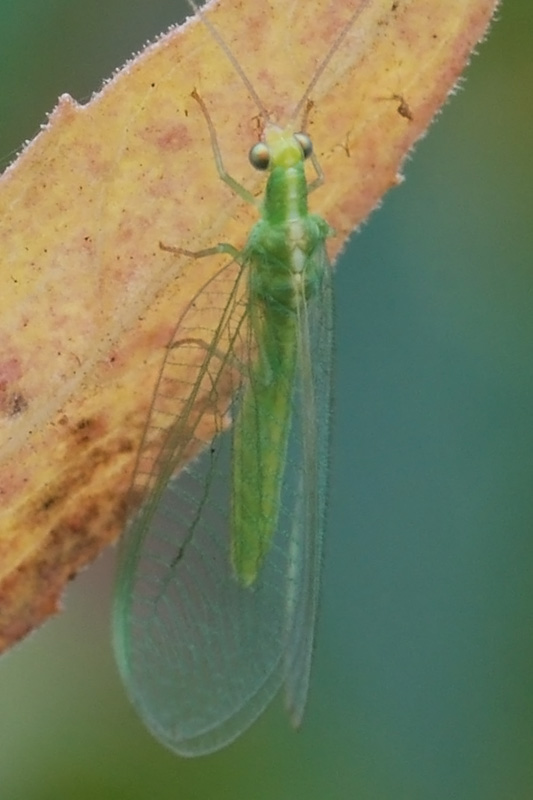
[218,581]
[285,254]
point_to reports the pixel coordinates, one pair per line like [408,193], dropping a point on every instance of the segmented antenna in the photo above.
[246,81]
[225,47]
[327,58]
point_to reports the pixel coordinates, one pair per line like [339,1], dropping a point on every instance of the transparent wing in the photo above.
[202,655]
[309,466]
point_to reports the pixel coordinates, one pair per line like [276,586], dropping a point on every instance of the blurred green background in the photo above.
[423,679]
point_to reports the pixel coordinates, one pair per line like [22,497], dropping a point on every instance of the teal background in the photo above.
[423,679]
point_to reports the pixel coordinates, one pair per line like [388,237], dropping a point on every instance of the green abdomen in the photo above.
[260,438]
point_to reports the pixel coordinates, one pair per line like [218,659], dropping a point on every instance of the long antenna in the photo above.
[243,76]
[236,66]
[329,55]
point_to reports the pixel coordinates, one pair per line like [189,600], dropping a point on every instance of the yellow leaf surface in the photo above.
[89,300]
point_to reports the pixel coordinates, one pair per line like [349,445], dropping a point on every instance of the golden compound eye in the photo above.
[305,143]
[259,156]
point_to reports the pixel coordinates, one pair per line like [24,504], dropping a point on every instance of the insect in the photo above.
[219,572]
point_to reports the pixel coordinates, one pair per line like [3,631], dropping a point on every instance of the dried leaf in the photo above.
[89,299]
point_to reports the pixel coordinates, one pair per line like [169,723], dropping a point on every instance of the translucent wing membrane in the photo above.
[309,468]
[201,653]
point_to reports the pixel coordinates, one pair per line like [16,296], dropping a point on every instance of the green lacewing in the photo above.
[219,571]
